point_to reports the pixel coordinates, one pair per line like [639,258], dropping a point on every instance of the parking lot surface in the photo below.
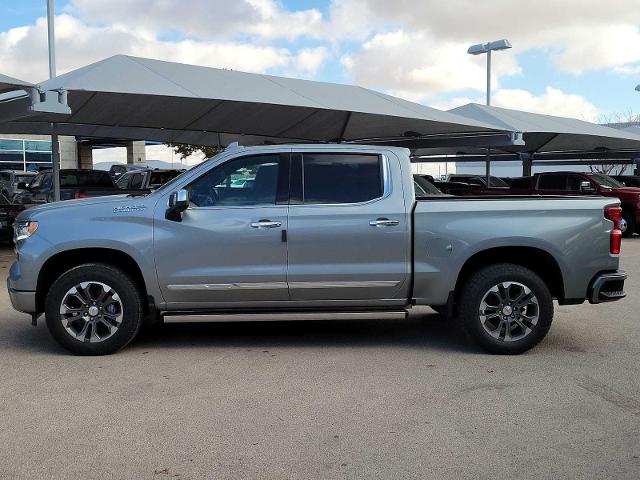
[290,400]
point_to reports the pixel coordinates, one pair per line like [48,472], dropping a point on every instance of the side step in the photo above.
[168,317]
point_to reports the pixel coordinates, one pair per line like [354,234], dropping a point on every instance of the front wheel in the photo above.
[506,308]
[94,309]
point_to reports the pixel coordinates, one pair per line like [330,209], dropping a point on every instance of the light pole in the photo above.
[638,88]
[487,48]
[55,144]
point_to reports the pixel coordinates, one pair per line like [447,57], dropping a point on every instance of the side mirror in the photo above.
[178,203]
[586,187]
[22,185]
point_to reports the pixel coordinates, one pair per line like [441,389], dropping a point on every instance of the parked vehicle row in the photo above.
[321,232]
[145,179]
[555,183]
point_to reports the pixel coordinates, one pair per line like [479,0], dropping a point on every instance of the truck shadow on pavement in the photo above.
[420,331]
[424,331]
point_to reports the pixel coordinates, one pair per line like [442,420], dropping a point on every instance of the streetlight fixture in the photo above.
[487,48]
[638,88]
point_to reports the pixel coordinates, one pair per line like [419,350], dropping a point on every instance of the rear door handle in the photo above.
[383,222]
[266,224]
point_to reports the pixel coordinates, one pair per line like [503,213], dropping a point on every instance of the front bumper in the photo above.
[607,287]
[23,301]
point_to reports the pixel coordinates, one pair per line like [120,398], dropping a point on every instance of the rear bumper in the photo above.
[607,287]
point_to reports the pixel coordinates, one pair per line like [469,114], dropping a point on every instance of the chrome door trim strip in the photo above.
[353,284]
[230,286]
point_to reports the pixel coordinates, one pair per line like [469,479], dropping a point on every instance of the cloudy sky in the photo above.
[577,58]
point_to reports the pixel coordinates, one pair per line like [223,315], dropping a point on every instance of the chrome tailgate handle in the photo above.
[383,222]
[266,224]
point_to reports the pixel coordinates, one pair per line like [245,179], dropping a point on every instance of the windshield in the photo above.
[606,181]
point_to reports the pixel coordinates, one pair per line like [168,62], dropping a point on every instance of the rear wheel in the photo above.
[94,309]
[506,308]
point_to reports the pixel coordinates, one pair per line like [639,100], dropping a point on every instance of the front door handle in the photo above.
[266,224]
[383,222]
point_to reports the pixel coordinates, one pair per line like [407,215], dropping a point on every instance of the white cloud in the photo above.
[416,65]
[581,34]
[23,50]
[202,18]
[552,102]
[309,60]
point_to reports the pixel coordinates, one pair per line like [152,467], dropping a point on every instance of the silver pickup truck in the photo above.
[321,232]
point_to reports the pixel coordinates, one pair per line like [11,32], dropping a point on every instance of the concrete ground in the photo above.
[327,400]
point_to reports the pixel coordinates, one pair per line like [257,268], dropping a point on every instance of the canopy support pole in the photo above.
[487,170]
[55,144]
[527,163]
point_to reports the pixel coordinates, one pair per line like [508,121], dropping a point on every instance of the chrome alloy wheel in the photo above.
[509,311]
[91,312]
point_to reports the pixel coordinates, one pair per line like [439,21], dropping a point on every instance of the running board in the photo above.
[284,316]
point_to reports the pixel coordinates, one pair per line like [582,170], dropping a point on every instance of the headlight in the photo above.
[23,230]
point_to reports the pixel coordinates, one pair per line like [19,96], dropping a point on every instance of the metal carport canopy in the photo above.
[9,84]
[138,98]
[542,133]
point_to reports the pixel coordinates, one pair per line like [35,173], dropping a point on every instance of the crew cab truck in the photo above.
[323,232]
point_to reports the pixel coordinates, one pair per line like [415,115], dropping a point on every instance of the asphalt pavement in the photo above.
[323,400]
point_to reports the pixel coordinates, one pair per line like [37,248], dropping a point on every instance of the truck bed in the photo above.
[449,230]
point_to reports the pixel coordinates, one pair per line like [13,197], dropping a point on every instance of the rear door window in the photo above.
[341,178]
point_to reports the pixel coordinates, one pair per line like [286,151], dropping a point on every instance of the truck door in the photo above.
[349,233]
[230,247]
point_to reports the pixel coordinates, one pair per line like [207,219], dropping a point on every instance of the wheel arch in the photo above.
[535,259]
[63,261]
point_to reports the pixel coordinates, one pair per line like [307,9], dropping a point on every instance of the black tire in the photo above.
[629,217]
[480,283]
[129,298]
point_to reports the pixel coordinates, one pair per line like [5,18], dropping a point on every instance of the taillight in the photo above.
[615,241]
[615,215]
[80,195]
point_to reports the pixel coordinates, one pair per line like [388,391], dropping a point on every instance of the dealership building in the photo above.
[33,152]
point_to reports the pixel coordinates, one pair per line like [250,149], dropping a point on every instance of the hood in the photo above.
[625,192]
[82,202]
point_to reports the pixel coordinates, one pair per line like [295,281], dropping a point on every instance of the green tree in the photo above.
[185,150]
